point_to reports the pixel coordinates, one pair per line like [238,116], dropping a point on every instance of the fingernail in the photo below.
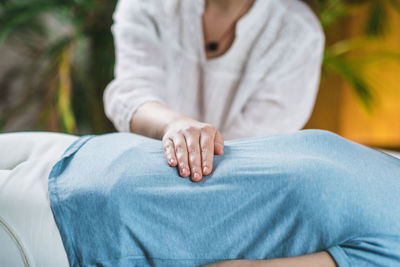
[171,161]
[196,176]
[183,171]
[205,170]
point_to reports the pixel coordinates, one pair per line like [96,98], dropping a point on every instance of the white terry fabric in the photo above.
[266,83]
[28,233]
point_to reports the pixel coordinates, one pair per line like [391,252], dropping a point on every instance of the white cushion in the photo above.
[28,233]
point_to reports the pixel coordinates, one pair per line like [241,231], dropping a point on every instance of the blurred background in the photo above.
[57,56]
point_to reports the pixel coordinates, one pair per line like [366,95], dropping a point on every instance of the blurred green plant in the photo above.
[69,50]
[339,56]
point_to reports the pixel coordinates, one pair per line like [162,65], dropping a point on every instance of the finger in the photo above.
[181,154]
[169,151]
[193,144]
[207,151]
[219,144]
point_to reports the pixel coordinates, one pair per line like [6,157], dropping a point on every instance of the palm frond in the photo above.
[331,11]
[377,19]
[349,71]
[21,13]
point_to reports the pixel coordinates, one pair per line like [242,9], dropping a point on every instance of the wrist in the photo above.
[173,120]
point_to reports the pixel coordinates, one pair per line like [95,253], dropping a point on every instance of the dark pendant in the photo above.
[212,46]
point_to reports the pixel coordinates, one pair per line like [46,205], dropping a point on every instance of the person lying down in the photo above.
[115,202]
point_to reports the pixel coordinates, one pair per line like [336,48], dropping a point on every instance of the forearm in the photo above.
[152,118]
[319,259]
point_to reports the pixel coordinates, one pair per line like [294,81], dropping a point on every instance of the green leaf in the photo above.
[14,14]
[377,19]
[350,73]
[331,12]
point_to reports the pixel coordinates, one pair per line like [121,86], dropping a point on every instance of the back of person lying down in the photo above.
[305,199]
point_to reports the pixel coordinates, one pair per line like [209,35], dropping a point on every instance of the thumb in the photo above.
[218,144]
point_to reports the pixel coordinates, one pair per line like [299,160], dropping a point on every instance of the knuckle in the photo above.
[179,148]
[193,149]
[167,146]
[208,162]
[182,164]
[165,143]
[181,156]
[194,169]
[191,130]
[208,128]
[168,138]
[193,159]
[206,143]
[204,149]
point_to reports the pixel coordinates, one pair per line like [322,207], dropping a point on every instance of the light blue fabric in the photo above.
[118,203]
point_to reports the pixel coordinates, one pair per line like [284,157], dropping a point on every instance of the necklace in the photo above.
[213,46]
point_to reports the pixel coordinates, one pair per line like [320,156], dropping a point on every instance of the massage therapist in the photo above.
[196,72]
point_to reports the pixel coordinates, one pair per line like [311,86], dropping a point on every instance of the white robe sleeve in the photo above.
[285,93]
[139,70]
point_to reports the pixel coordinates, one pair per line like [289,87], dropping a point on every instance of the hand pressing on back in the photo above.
[190,145]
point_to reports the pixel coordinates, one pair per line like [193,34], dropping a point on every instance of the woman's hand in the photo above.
[190,145]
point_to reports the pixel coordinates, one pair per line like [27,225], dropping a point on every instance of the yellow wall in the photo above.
[338,109]
[382,127]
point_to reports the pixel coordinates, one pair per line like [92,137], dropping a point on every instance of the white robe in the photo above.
[266,83]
